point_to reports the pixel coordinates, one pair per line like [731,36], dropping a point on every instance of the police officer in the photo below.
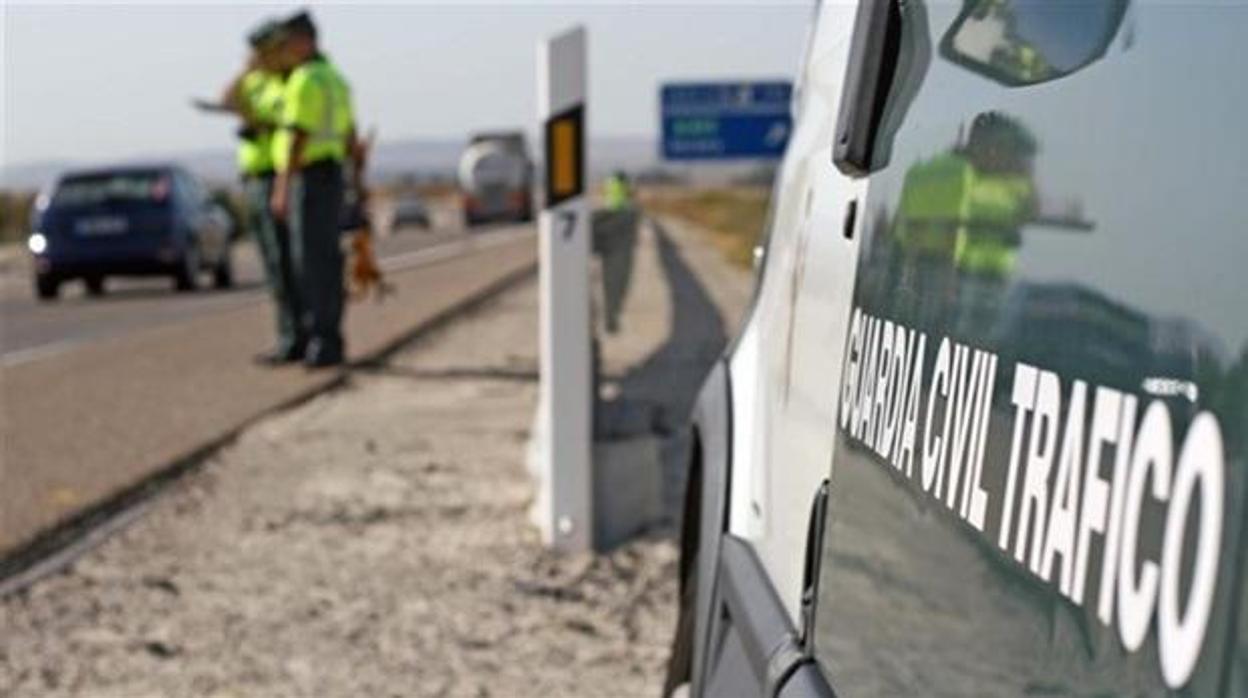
[616,193]
[615,238]
[1002,151]
[256,95]
[959,224]
[317,134]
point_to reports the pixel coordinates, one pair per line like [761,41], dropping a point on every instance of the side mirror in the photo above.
[1026,42]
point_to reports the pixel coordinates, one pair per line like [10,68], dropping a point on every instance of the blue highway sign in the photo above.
[725,120]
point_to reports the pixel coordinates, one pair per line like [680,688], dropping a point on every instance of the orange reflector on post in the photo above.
[565,156]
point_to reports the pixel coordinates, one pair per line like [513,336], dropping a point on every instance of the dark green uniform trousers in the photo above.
[315,207]
[273,240]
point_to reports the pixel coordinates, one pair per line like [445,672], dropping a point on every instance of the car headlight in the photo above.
[38,243]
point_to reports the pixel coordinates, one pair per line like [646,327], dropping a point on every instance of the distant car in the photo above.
[496,179]
[409,210]
[128,221]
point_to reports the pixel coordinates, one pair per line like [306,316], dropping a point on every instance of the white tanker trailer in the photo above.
[496,179]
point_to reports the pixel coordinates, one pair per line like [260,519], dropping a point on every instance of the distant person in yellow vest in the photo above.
[317,134]
[617,194]
[615,237]
[256,95]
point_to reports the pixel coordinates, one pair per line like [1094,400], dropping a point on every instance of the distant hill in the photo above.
[29,176]
[418,158]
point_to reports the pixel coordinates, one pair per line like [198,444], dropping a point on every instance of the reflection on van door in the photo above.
[1040,457]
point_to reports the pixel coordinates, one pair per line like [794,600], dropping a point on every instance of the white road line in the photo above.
[21,356]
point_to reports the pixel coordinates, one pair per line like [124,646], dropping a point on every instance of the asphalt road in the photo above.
[99,394]
[30,328]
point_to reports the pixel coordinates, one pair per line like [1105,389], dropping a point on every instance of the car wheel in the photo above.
[47,288]
[186,278]
[223,273]
[95,285]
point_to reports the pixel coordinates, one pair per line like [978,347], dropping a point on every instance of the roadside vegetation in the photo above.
[732,215]
[15,215]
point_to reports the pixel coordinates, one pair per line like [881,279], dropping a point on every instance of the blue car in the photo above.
[153,220]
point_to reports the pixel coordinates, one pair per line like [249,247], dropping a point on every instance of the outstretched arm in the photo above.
[232,96]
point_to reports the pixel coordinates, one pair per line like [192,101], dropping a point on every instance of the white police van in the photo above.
[984,430]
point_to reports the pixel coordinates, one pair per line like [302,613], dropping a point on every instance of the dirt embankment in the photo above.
[733,217]
[373,542]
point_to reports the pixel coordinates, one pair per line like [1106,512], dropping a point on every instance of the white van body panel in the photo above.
[785,370]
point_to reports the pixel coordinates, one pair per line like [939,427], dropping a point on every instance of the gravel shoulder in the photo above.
[371,542]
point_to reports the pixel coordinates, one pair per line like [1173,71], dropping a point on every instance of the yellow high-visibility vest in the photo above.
[615,193]
[950,210]
[261,95]
[317,101]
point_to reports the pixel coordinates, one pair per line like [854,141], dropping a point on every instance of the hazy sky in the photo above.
[94,82]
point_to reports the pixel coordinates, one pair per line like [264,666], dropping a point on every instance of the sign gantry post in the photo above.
[564,508]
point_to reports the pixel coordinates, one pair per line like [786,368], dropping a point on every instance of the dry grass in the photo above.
[15,215]
[732,216]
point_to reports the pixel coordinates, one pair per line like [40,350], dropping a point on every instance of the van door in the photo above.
[1038,478]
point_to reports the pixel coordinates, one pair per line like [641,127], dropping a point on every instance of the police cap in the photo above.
[265,33]
[300,23]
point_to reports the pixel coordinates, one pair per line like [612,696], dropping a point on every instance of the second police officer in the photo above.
[316,135]
[256,96]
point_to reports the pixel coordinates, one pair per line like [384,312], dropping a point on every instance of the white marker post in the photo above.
[564,508]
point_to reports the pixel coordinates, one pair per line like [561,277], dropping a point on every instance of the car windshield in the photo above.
[119,187]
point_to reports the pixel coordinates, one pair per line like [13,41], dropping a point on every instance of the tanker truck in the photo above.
[496,179]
